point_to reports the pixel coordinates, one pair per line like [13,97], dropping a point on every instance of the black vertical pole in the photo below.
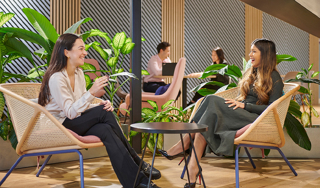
[135,88]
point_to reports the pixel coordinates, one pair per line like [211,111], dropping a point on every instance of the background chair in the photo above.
[38,132]
[170,94]
[266,131]
[95,63]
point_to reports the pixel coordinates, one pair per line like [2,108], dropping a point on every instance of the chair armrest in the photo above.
[229,94]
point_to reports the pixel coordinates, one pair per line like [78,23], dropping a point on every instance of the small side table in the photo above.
[169,128]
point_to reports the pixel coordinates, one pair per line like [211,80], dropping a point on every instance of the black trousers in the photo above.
[103,124]
[152,86]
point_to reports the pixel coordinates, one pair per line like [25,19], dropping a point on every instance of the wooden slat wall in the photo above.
[173,31]
[64,13]
[314,59]
[253,27]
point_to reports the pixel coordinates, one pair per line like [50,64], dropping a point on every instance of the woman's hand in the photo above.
[98,84]
[107,105]
[235,103]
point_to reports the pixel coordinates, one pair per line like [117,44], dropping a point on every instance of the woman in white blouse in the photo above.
[63,93]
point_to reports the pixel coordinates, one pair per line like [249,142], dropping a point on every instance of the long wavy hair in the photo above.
[220,54]
[260,77]
[57,63]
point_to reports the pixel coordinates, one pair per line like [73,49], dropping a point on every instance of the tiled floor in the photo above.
[218,172]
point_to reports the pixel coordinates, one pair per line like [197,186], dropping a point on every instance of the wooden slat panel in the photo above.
[253,27]
[314,59]
[64,13]
[173,31]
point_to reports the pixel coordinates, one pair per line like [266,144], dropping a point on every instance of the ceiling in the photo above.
[294,12]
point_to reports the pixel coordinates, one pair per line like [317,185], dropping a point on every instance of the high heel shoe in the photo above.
[193,185]
[169,157]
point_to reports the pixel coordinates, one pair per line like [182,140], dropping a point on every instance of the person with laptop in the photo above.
[150,83]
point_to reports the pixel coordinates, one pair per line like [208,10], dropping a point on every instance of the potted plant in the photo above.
[167,114]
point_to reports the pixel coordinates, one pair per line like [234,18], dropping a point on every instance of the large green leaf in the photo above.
[153,104]
[119,40]
[108,51]
[206,91]
[2,103]
[297,132]
[226,87]
[12,57]
[166,104]
[304,80]
[96,32]
[305,118]
[22,77]
[88,80]
[88,67]
[41,24]
[314,112]
[42,53]
[285,57]
[112,61]
[315,74]
[148,112]
[131,75]
[13,138]
[28,36]
[87,46]
[144,72]
[234,70]
[127,48]
[35,74]
[75,26]
[5,17]
[206,83]
[35,68]
[294,109]
[303,90]
[20,48]
[102,53]
[128,40]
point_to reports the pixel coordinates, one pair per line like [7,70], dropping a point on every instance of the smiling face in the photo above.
[214,57]
[255,56]
[76,55]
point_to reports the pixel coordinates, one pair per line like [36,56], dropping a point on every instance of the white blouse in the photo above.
[65,103]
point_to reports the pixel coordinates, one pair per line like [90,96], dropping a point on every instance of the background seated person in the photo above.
[217,58]
[154,68]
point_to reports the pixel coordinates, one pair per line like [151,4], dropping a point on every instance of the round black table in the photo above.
[169,128]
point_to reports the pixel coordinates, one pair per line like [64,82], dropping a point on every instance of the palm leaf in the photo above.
[28,36]
[75,26]
[41,24]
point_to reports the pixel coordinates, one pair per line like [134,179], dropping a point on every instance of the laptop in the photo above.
[168,69]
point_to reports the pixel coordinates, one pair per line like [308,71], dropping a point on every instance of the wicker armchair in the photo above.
[266,131]
[38,132]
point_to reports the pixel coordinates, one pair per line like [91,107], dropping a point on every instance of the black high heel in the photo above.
[193,185]
[166,155]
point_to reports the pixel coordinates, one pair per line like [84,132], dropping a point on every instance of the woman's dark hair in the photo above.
[57,63]
[162,46]
[220,54]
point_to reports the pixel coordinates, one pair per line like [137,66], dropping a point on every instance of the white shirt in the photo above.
[155,69]
[64,102]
